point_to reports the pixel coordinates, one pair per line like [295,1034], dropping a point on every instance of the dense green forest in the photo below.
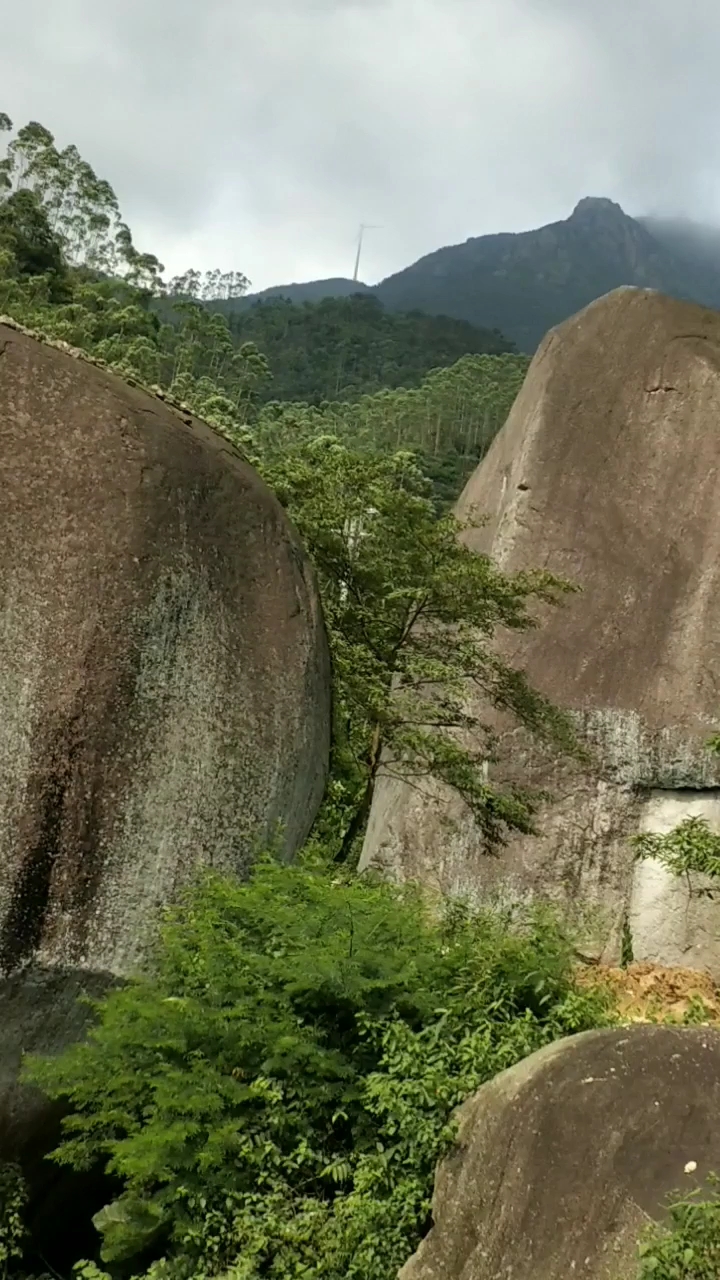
[448,421]
[383,380]
[272,1095]
[343,348]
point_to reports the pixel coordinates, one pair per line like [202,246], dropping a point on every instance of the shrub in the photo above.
[688,1248]
[13,1198]
[276,1094]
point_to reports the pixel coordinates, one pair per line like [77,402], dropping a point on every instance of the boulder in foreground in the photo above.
[164,672]
[562,1159]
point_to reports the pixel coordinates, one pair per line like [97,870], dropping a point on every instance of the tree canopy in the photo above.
[411,614]
[344,348]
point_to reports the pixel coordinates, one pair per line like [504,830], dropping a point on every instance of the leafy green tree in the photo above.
[209,286]
[26,236]
[412,614]
[81,209]
[690,849]
[275,1093]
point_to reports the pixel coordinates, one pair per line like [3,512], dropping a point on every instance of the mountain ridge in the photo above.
[524,283]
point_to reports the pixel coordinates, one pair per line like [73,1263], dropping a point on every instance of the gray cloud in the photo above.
[258,135]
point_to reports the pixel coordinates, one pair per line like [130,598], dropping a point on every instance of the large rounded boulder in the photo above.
[607,474]
[164,700]
[164,672]
[563,1160]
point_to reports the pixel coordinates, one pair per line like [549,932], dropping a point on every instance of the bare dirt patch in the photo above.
[653,993]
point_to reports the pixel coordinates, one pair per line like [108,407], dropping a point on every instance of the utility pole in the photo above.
[364,226]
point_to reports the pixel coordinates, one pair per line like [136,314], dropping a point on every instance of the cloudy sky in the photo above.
[258,134]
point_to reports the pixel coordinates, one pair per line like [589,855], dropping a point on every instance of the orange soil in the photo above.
[653,993]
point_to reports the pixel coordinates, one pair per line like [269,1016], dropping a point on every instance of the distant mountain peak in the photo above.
[597,207]
[526,282]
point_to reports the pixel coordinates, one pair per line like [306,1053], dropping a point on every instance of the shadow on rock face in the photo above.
[40,1013]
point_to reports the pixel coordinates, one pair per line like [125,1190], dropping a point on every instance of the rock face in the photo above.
[561,1160]
[164,673]
[164,693]
[606,473]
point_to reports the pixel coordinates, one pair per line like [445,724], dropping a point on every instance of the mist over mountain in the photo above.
[523,283]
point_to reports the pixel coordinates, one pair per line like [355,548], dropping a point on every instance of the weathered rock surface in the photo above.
[561,1160]
[164,674]
[606,473]
[164,685]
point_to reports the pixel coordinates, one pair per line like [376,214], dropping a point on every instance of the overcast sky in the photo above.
[257,134]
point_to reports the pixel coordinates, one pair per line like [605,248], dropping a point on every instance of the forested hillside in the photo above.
[526,282]
[448,421]
[343,348]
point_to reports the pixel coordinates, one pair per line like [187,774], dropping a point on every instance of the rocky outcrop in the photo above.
[164,674]
[606,473]
[562,1160]
[164,680]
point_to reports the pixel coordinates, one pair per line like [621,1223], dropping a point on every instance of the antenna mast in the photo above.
[364,226]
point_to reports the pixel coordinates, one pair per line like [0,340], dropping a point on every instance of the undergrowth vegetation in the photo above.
[687,1247]
[276,1091]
